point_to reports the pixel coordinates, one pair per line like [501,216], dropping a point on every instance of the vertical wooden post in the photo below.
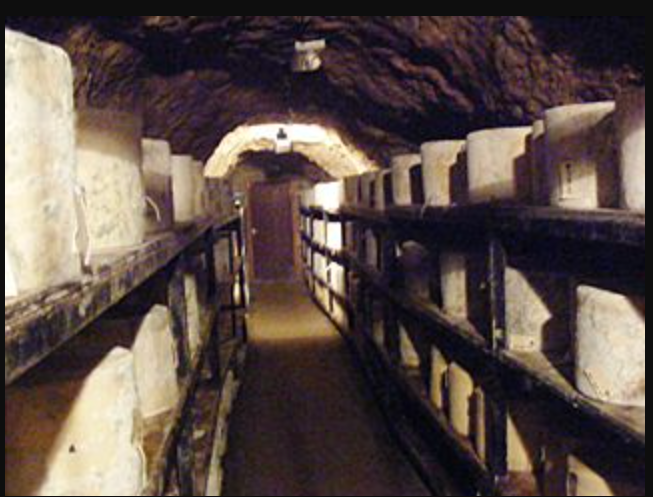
[497,403]
[209,252]
[389,263]
[497,432]
[242,281]
[345,250]
[392,339]
[213,355]
[176,301]
[308,247]
[361,242]
[232,251]
[186,459]
[390,273]
[311,231]
[497,281]
[240,245]
[359,310]
[213,345]
[232,286]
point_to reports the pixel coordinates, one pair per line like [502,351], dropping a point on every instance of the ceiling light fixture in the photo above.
[283,143]
[308,56]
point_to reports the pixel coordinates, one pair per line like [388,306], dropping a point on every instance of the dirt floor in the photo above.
[305,424]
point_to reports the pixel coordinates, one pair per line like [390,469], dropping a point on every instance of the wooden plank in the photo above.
[459,332]
[368,217]
[186,458]
[438,425]
[605,226]
[37,325]
[576,244]
[498,261]
[207,409]
[164,434]
[341,299]
[580,244]
[176,301]
[628,424]
[427,457]
[322,214]
[158,438]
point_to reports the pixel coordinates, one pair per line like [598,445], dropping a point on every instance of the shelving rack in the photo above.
[38,325]
[601,247]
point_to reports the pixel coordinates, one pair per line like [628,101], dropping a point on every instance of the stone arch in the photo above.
[320,145]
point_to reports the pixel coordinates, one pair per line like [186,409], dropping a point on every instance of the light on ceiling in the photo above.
[283,143]
[308,56]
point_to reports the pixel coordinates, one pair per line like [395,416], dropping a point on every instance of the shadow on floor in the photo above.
[305,424]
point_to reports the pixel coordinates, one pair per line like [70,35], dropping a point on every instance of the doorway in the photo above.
[272,231]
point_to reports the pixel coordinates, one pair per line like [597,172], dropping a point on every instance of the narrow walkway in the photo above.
[304,424]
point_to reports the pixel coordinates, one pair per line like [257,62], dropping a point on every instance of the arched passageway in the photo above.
[486,265]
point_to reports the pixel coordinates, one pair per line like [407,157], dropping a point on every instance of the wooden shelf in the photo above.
[602,247]
[628,424]
[614,227]
[369,217]
[323,214]
[162,433]
[417,448]
[439,424]
[580,244]
[599,226]
[208,408]
[333,254]
[158,438]
[336,296]
[36,325]
[430,315]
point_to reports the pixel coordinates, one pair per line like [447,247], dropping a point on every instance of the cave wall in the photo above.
[388,83]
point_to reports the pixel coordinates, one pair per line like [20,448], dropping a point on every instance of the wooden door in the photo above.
[272,236]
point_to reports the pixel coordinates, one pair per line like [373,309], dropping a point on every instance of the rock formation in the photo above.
[388,83]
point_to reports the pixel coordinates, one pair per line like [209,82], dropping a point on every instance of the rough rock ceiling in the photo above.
[389,82]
